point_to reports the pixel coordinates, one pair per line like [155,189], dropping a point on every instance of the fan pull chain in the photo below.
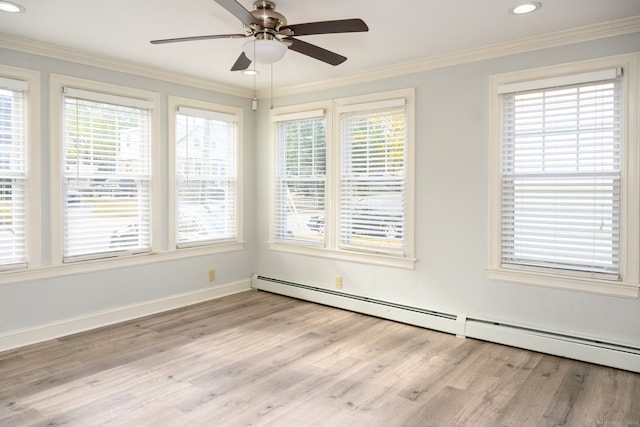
[254,101]
[271,87]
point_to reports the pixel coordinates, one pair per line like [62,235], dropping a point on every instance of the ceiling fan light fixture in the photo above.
[7,6]
[525,8]
[266,51]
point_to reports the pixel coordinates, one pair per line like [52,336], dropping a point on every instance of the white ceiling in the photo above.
[400,31]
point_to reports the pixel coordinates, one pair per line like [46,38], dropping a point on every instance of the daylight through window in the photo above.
[106,175]
[561,160]
[13,140]
[206,176]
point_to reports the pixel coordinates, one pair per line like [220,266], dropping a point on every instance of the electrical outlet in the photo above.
[338,282]
[212,275]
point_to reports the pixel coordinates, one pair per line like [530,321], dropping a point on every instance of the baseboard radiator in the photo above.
[579,348]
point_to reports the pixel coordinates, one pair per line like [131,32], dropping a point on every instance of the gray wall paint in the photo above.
[451,213]
[25,305]
[452,132]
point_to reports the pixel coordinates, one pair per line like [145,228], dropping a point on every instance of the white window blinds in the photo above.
[206,176]
[13,140]
[373,178]
[106,175]
[561,177]
[300,177]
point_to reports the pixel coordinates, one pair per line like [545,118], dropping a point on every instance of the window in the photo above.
[19,223]
[105,172]
[346,191]
[206,176]
[205,196]
[373,176]
[561,178]
[301,152]
[13,172]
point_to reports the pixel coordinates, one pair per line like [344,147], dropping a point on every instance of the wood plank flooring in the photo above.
[258,359]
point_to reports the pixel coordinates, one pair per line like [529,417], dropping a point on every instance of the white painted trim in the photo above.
[577,35]
[33,189]
[208,114]
[566,282]
[19,338]
[345,255]
[212,111]
[347,301]
[573,349]
[562,38]
[312,114]
[372,105]
[58,83]
[406,97]
[108,98]
[629,284]
[588,349]
[572,79]
[332,248]
[130,260]
[284,113]
[17,85]
[87,58]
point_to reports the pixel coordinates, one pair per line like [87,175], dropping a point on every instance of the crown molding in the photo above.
[561,38]
[86,58]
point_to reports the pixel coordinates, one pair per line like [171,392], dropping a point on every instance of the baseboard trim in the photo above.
[44,332]
[606,354]
[430,319]
[617,355]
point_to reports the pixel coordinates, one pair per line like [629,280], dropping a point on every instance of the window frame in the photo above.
[226,245]
[33,215]
[57,85]
[627,284]
[348,110]
[333,248]
[285,114]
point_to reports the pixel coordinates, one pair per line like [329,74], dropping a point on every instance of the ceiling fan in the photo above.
[273,36]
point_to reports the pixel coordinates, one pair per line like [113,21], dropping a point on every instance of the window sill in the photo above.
[80,267]
[567,282]
[362,257]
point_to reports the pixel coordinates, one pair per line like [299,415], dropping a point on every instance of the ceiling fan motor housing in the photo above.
[270,20]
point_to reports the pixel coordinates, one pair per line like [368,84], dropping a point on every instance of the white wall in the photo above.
[451,209]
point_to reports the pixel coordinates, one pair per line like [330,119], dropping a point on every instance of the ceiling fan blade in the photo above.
[237,10]
[193,38]
[316,52]
[328,27]
[242,63]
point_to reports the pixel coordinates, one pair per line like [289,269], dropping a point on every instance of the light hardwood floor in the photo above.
[257,359]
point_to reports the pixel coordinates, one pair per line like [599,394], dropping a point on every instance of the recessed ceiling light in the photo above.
[250,72]
[7,6]
[523,8]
